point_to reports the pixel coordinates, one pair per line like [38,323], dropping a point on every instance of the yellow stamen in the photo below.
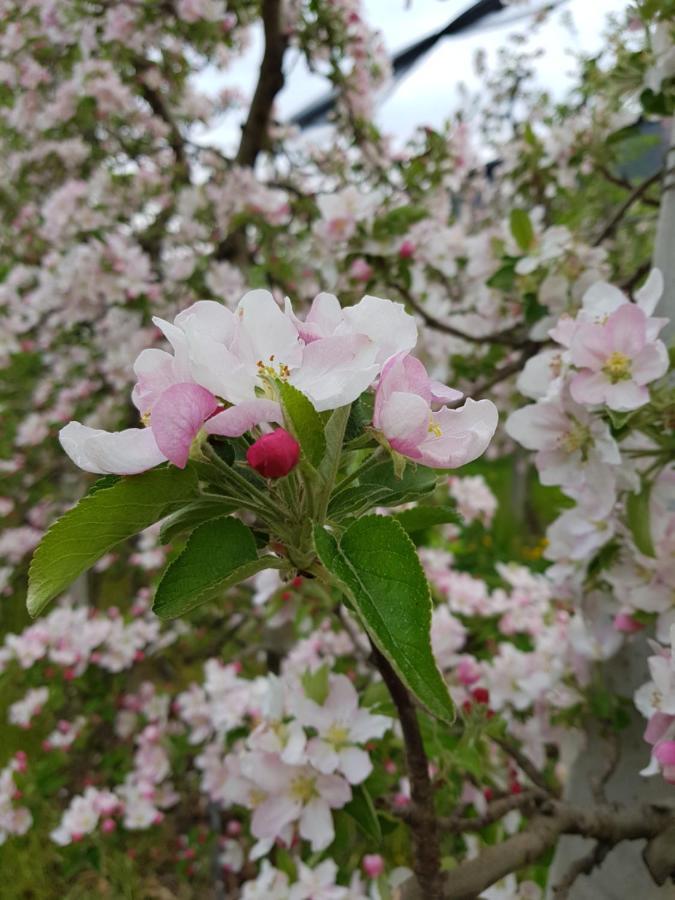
[435,428]
[617,367]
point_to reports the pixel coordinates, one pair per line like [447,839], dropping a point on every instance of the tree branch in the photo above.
[425,834]
[635,194]
[270,82]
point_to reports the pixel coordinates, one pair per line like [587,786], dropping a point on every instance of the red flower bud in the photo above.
[275,454]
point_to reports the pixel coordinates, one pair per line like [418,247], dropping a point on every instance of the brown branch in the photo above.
[635,194]
[254,134]
[528,767]
[582,866]
[625,184]
[527,802]
[605,824]
[270,82]
[425,834]
[599,783]
[508,337]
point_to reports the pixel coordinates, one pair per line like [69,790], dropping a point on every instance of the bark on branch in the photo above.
[424,827]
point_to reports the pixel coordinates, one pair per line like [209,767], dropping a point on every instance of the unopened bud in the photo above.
[274,455]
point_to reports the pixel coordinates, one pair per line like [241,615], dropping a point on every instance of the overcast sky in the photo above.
[429,92]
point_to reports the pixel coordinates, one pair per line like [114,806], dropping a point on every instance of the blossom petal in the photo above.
[404,420]
[178,416]
[336,370]
[465,435]
[237,420]
[316,824]
[274,814]
[111,453]
[355,764]
[266,334]
[385,323]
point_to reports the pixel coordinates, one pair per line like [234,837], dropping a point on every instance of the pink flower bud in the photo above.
[467,672]
[406,250]
[360,270]
[108,826]
[233,828]
[626,623]
[274,455]
[373,865]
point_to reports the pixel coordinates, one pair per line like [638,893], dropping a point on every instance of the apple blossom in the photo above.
[403,413]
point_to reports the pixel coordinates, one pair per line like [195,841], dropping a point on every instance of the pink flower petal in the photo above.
[111,453]
[237,420]
[177,417]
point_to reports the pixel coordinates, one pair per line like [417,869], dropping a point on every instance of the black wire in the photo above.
[405,59]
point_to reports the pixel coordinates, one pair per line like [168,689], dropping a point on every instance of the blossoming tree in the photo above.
[297,651]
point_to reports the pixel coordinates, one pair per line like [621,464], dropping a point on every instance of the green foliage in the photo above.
[415,482]
[218,555]
[192,515]
[362,810]
[422,517]
[315,684]
[378,566]
[304,423]
[100,521]
[637,517]
[521,228]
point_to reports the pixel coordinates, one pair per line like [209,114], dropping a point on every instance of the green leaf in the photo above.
[192,515]
[218,555]
[415,482]
[637,517]
[422,517]
[361,809]
[377,564]
[315,684]
[350,501]
[521,228]
[100,521]
[304,423]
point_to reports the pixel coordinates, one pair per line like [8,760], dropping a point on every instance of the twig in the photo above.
[526,764]
[506,337]
[636,193]
[599,783]
[582,866]
[425,834]
[625,184]
[529,799]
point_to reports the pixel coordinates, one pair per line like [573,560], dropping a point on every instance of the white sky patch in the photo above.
[429,93]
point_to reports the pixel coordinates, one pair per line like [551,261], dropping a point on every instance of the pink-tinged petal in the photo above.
[111,453]
[239,419]
[590,346]
[178,416]
[627,330]
[364,726]
[209,318]
[441,393]
[355,764]
[342,699]
[178,341]
[626,395]
[589,387]
[316,824]
[650,292]
[323,319]
[404,421]
[465,435]
[336,370]
[266,334]
[602,298]
[565,330]
[657,726]
[538,426]
[334,790]
[385,323]
[273,815]
[665,753]
[651,363]
[155,373]
[322,756]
